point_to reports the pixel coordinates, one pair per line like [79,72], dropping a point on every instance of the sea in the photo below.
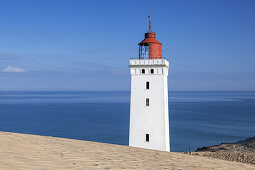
[197,118]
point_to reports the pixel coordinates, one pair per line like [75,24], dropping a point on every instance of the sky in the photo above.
[86,45]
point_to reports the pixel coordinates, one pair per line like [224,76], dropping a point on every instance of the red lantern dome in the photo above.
[150,48]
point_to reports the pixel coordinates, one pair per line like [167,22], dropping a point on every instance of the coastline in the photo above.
[23,151]
[241,151]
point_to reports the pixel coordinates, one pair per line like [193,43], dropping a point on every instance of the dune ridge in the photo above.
[24,151]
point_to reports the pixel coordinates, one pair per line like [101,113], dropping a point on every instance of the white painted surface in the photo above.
[152,119]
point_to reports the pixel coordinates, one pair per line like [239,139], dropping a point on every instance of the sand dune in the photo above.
[22,151]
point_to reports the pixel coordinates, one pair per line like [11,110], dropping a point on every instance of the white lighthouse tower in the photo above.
[149,120]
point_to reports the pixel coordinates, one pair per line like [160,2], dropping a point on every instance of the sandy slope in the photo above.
[21,151]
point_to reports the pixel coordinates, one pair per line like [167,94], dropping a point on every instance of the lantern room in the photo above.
[150,48]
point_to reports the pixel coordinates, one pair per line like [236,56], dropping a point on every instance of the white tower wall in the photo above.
[153,119]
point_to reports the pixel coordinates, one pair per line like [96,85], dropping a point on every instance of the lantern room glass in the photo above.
[143,51]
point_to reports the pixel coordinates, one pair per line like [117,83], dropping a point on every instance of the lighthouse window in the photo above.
[147,137]
[152,71]
[143,71]
[147,85]
[147,101]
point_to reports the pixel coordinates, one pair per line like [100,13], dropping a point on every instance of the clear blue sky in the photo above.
[86,45]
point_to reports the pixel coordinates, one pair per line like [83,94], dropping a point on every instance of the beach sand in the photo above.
[23,151]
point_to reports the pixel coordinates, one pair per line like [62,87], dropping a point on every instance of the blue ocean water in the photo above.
[196,118]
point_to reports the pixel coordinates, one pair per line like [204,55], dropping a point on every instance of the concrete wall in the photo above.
[152,119]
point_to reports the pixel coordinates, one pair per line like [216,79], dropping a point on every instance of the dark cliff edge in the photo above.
[248,143]
[241,151]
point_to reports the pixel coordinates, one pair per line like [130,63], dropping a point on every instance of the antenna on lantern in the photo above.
[149,17]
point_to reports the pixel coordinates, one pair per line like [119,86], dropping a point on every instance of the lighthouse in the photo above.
[149,118]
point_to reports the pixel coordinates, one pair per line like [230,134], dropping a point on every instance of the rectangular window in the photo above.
[147,138]
[147,85]
[147,101]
